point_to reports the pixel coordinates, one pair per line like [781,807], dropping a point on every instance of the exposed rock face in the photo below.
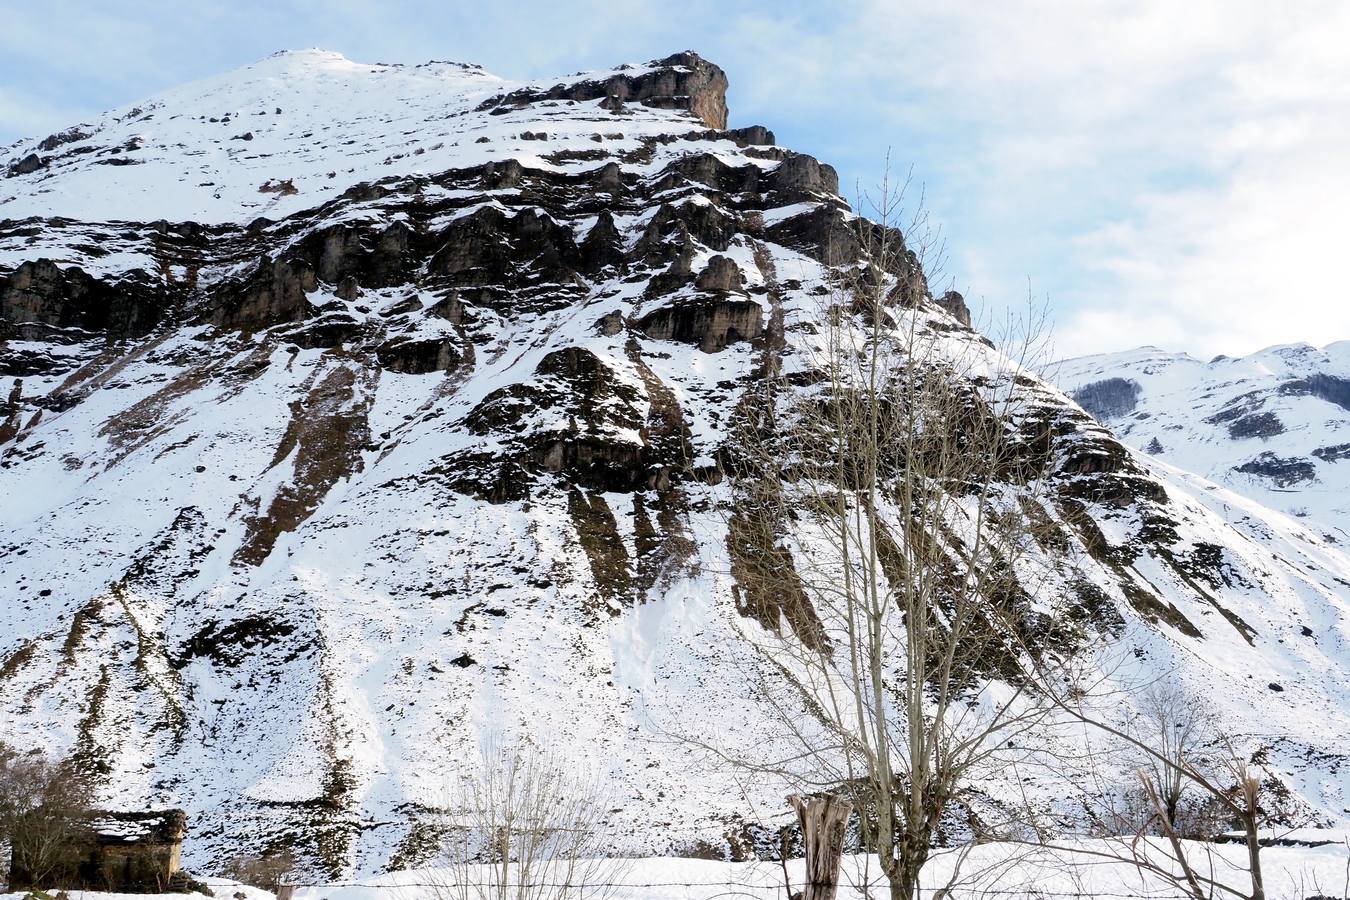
[682,81]
[322,466]
[721,274]
[1331,388]
[70,135]
[711,325]
[418,357]
[822,234]
[752,135]
[1283,472]
[955,305]
[43,293]
[800,177]
[277,292]
[27,166]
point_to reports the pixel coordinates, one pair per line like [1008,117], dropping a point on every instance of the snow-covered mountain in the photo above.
[361,411]
[1273,426]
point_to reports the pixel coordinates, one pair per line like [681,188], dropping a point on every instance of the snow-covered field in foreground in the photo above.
[989,870]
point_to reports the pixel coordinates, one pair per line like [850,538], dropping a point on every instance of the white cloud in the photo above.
[1253,256]
[1171,173]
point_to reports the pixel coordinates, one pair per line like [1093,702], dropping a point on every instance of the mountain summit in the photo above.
[315,123]
[359,413]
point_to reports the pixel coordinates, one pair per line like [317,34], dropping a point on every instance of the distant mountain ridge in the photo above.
[1274,426]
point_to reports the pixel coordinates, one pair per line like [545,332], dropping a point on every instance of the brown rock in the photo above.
[721,274]
[955,305]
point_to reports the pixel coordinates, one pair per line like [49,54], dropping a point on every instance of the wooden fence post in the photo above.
[823,819]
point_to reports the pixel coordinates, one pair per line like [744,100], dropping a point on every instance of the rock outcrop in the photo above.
[684,81]
[43,293]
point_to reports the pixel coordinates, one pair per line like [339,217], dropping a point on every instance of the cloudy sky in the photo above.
[1169,173]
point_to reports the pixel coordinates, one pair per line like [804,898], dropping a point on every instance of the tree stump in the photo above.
[823,819]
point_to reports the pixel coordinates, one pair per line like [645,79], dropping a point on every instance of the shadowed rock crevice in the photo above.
[326,434]
[611,568]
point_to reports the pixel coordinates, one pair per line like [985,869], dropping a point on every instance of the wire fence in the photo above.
[710,889]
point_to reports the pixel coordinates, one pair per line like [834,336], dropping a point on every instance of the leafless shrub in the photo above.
[44,806]
[268,872]
[1192,781]
[526,825]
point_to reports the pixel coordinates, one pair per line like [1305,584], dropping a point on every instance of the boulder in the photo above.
[721,274]
[955,306]
[28,165]
[801,177]
[752,135]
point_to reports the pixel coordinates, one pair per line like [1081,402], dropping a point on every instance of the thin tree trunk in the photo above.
[1178,851]
[823,820]
[1250,820]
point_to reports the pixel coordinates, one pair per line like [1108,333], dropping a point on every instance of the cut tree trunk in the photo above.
[823,819]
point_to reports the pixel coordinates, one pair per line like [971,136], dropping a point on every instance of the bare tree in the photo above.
[879,519]
[271,871]
[1176,726]
[526,826]
[1179,753]
[44,806]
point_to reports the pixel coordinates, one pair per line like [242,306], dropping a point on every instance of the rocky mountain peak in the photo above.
[356,414]
[683,81]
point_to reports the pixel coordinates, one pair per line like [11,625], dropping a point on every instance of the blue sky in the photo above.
[1157,172]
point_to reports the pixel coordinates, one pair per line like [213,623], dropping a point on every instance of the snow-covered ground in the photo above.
[1080,870]
[295,130]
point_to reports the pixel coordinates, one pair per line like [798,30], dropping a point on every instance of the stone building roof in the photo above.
[165,826]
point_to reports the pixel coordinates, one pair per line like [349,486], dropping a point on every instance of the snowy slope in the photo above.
[204,151]
[1273,426]
[309,491]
